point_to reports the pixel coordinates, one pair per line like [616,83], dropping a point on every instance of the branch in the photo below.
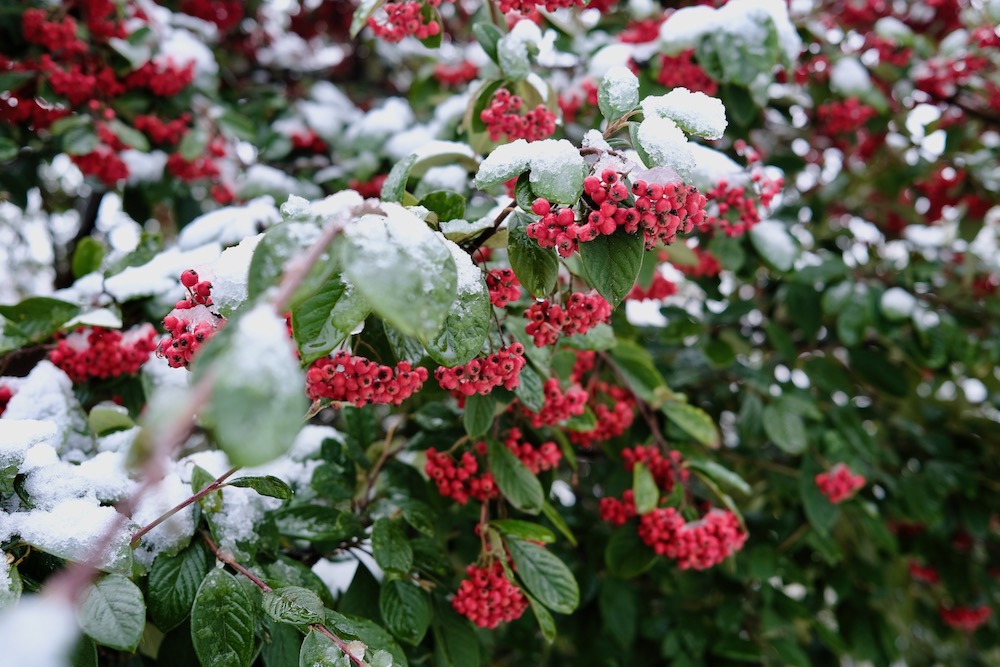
[488,234]
[193,499]
[228,559]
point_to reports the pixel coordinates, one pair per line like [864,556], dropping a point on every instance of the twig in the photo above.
[218,483]
[228,559]
[488,234]
[387,453]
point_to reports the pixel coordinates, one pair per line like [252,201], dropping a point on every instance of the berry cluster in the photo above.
[614,410]
[667,209]
[189,327]
[618,512]
[504,287]
[488,598]
[557,228]
[572,101]
[665,469]
[924,573]
[843,116]
[734,208]
[558,406]
[528,6]
[502,118]
[536,459]
[584,310]
[460,482]
[103,353]
[681,71]
[163,132]
[966,619]
[361,381]
[706,267]
[225,14]
[308,141]
[696,545]
[481,375]
[659,288]
[403,19]
[199,292]
[839,483]
[6,393]
[455,75]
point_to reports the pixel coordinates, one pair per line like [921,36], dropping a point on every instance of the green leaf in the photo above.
[536,268]
[545,576]
[553,515]
[129,136]
[545,621]
[524,530]
[488,35]
[88,256]
[694,421]
[785,428]
[173,584]
[418,514]
[326,318]
[636,365]
[390,546]
[467,324]
[395,183]
[405,609]
[282,244]
[774,245]
[523,194]
[257,403]
[318,650]
[626,555]
[478,415]
[875,368]
[80,140]
[619,607]
[455,641]
[404,270]
[106,418]
[617,97]
[364,11]
[720,474]
[36,318]
[193,144]
[529,389]
[11,592]
[317,523]
[647,494]
[853,320]
[112,612]
[822,514]
[8,149]
[294,605]
[269,485]
[515,481]
[222,622]
[612,263]
[447,205]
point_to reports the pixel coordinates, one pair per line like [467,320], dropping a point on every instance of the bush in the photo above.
[460,333]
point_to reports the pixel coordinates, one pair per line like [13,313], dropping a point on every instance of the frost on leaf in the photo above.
[694,112]
[618,93]
[665,144]
[557,169]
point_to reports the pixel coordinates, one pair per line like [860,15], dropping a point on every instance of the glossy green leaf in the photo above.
[612,263]
[173,584]
[390,546]
[113,613]
[545,576]
[535,267]
[405,609]
[222,622]
[294,605]
[518,485]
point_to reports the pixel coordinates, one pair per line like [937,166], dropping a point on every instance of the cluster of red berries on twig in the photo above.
[924,573]
[559,406]
[404,19]
[665,470]
[103,353]
[667,209]
[966,619]
[547,321]
[361,381]
[190,323]
[482,374]
[735,209]
[659,288]
[613,406]
[839,483]
[708,265]
[545,456]
[460,481]
[487,597]
[696,545]
[504,287]
[455,75]
[502,118]
[680,71]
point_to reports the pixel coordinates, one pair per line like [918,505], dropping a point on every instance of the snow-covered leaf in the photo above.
[618,92]
[467,324]
[694,112]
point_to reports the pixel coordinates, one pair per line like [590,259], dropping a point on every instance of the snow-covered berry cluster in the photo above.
[966,619]
[344,377]
[488,598]
[396,20]
[189,328]
[504,287]
[502,117]
[482,374]
[460,481]
[559,406]
[696,545]
[547,321]
[103,353]
[839,483]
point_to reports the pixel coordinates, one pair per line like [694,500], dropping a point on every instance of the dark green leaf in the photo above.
[478,415]
[112,612]
[390,546]
[524,530]
[406,610]
[535,267]
[268,485]
[316,522]
[544,575]
[626,555]
[515,481]
[694,421]
[720,474]
[318,650]
[294,605]
[487,35]
[88,256]
[173,583]
[395,183]
[545,621]
[619,607]
[647,494]
[447,205]
[36,318]
[553,515]
[455,642]
[785,428]
[612,263]
[222,622]
[326,318]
